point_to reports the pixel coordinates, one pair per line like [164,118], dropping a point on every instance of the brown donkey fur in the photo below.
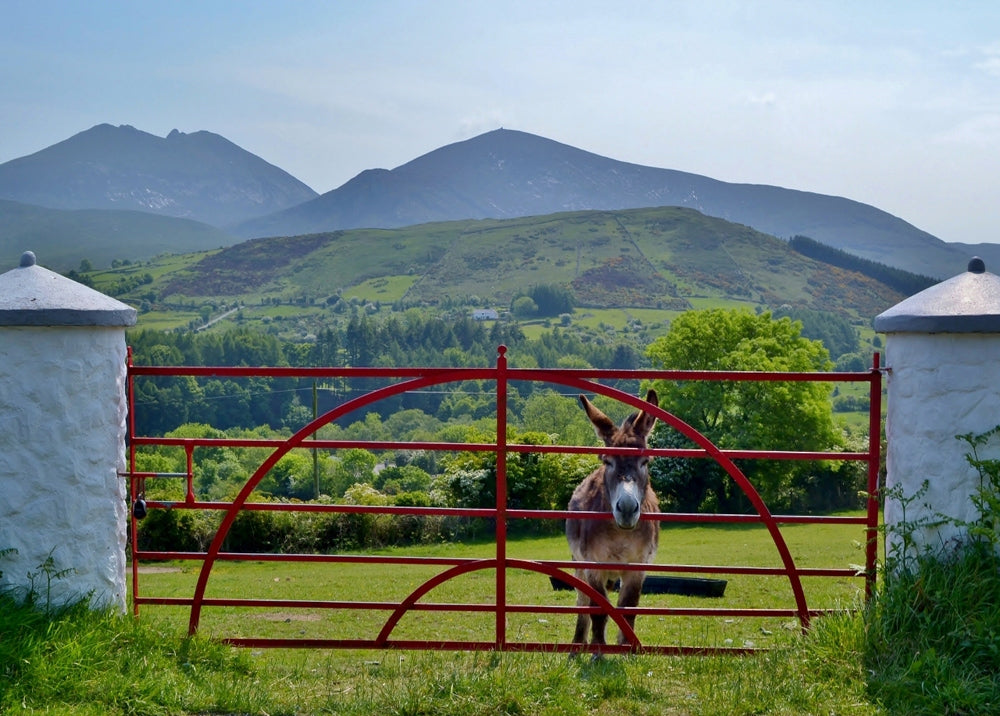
[621,488]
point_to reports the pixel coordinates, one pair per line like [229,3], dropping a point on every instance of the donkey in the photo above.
[620,487]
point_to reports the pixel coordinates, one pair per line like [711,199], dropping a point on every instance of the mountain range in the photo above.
[202,177]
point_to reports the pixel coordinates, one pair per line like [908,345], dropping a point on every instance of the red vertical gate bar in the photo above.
[501,499]
[133,536]
[874,453]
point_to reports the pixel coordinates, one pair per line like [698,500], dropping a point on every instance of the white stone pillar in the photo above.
[943,360]
[62,438]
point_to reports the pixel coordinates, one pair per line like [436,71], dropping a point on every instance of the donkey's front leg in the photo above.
[596,622]
[628,596]
[582,620]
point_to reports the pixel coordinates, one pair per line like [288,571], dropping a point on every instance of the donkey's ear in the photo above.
[603,425]
[643,422]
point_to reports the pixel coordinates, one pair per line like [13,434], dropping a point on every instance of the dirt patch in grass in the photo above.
[288,617]
[150,569]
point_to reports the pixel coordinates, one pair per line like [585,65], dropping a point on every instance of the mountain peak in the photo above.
[200,176]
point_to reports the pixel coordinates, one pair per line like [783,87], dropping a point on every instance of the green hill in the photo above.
[662,260]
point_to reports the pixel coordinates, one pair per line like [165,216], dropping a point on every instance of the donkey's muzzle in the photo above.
[626,512]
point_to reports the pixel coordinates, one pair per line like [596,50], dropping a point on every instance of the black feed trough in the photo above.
[657,584]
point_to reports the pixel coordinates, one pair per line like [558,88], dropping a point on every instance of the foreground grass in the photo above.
[80,662]
[928,644]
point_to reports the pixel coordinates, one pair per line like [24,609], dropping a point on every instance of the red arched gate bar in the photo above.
[412,379]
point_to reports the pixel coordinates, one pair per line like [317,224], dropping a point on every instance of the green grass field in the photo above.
[385,289]
[811,546]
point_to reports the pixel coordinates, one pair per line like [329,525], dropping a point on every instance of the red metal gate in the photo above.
[412,379]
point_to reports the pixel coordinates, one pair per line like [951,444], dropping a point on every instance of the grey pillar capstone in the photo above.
[943,360]
[62,438]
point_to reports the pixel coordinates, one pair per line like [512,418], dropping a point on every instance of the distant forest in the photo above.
[408,339]
[903,281]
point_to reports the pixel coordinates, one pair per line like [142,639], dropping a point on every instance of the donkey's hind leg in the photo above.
[595,622]
[582,620]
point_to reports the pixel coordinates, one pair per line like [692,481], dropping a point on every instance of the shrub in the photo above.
[169,530]
[257,531]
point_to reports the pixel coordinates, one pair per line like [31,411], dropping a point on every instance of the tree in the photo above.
[355,466]
[361,340]
[524,307]
[836,332]
[534,480]
[396,479]
[780,415]
[546,411]
[292,476]
[551,299]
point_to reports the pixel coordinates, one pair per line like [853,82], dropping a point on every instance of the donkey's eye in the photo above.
[644,462]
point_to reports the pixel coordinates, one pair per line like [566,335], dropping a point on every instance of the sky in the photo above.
[894,104]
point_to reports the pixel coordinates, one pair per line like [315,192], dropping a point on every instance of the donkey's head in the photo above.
[626,477]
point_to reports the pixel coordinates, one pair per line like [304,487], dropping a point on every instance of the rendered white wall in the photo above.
[939,386]
[62,438]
